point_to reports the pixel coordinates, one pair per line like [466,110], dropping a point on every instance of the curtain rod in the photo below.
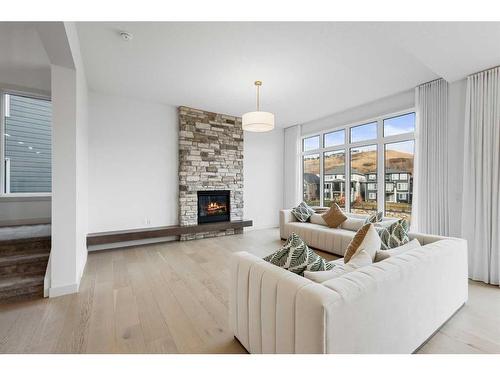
[434,80]
[484,70]
[470,75]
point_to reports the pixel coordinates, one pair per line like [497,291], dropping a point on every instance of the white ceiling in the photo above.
[309,70]
[23,61]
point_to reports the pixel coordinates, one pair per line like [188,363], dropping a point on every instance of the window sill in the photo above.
[37,197]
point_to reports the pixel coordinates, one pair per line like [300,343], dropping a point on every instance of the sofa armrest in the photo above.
[286,216]
[273,310]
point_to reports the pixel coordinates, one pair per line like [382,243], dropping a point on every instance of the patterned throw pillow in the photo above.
[375,218]
[394,235]
[302,212]
[297,257]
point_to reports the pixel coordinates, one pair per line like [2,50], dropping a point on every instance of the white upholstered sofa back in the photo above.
[392,306]
[332,240]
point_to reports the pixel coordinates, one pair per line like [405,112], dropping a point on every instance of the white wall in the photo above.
[81,149]
[69,157]
[133,167]
[64,275]
[24,208]
[133,163]
[263,177]
[23,61]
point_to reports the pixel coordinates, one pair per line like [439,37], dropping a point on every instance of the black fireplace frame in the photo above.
[218,218]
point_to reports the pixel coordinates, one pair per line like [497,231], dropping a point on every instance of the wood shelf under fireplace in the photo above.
[102,238]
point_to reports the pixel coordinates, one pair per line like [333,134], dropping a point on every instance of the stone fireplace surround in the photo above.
[210,158]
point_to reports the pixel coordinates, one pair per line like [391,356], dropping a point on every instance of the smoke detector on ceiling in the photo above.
[126,36]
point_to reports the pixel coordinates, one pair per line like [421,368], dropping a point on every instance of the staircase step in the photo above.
[25,246]
[23,265]
[21,288]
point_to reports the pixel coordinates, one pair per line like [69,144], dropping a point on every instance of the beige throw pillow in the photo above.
[361,259]
[322,276]
[317,219]
[384,254]
[366,239]
[353,224]
[334,216]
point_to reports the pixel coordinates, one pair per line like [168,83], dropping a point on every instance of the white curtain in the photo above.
[291,177]
[481,188]
[430,213]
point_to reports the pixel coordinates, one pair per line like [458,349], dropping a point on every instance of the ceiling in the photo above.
[309,70]
[23,61]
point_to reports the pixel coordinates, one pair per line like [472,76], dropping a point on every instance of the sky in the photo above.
[392,126]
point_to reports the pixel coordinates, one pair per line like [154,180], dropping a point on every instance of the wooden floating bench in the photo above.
[103,238]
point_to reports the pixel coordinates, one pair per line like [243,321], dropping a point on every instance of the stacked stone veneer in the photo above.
[210,158]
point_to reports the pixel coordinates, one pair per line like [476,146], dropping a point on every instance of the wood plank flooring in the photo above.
[173,298]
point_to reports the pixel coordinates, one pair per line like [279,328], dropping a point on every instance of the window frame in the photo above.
[335,131]
[28,94]
[361,125]
[380,141]
[322,175]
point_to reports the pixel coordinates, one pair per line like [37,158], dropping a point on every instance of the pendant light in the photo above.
[258,121]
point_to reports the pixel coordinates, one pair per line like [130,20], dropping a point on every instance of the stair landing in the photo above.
[24,254]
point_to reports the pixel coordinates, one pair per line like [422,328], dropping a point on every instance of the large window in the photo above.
[336,138]
[376,155]
[311,179]
[26,147]
[363,132]
[399,158]
[334,178]
[364,179]
[311,143]
[399,124]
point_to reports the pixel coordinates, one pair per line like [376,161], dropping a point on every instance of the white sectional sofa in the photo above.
[318,235]
[392,306]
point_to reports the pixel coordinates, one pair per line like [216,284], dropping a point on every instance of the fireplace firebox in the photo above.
[213,206]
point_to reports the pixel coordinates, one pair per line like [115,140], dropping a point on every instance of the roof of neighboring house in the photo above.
[338,169]
[311,178]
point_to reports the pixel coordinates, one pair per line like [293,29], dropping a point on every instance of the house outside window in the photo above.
[26,145]
[402,196]
[402,186]
[356,151]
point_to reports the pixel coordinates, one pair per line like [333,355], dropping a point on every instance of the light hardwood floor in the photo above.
[173,298]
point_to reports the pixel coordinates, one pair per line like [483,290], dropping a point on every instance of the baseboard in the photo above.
[273,226]
[46,279]
[63,290]
[118,245]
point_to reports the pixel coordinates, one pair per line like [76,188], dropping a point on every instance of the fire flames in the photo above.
[215,207]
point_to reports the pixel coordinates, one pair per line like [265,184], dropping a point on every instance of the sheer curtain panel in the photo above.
[430,202]
[481,188]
